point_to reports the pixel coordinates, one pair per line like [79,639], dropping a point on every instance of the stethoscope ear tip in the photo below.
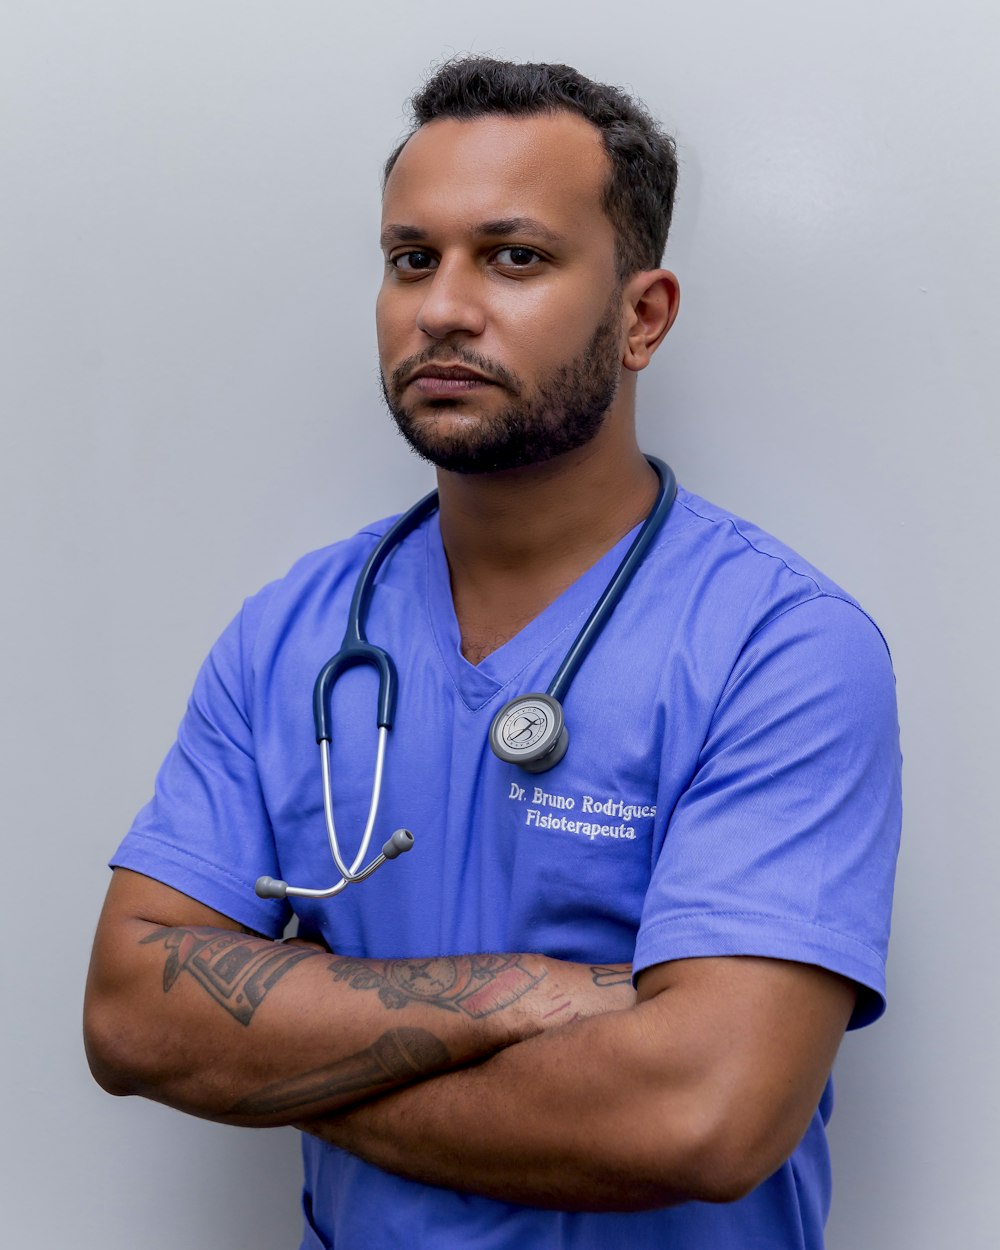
[269,887]
[401,840]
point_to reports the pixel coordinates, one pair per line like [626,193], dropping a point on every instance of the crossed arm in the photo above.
[701,1090]
[515,1076]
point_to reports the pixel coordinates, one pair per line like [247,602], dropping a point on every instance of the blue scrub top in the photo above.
[731,788]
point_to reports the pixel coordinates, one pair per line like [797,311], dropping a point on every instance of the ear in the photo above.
[651,299]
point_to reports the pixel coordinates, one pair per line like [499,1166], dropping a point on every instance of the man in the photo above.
[471,1064]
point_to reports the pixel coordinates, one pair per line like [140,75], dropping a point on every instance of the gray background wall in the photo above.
[187,269]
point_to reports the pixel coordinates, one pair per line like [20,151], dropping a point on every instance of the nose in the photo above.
[453,302]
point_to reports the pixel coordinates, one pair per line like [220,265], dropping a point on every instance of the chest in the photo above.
[558,862]
[488,619]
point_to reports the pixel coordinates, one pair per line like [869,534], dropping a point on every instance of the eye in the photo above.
[413,262]
[517,257]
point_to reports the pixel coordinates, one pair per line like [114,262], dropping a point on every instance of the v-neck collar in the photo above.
[553,629]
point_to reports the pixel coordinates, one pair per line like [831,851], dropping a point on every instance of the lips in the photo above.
[448,373]
[448,381]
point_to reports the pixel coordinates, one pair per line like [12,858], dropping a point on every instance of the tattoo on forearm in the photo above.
[398,1057]
[477,985]
[563,1006]
[237,971]
[607,975]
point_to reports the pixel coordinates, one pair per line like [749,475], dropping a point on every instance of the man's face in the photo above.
[500,324]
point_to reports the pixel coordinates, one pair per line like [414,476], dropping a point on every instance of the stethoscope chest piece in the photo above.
[530,731]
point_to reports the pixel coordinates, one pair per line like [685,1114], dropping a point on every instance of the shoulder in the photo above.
[798,660]
[316,576]
[298,612]
[338,559]
[741,574]
[708,525]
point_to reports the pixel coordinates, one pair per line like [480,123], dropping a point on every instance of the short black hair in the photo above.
[639,194]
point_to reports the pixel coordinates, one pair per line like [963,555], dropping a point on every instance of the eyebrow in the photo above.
[503,227]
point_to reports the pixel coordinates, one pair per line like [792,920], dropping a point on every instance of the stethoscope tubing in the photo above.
[356,649]
[351,873]
[614,590]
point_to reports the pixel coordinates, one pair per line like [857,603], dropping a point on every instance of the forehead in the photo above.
[552,168]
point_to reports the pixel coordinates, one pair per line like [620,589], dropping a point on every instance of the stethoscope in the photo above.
[529,731]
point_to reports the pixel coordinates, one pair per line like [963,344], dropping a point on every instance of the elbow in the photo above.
[723,1175]
[723,1159]
[113,1048]
[108,1065]
[133,1051]
[705,1156]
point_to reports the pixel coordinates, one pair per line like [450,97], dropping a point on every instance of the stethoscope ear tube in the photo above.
[356,649]
[530,731]
[348,656]
[614,590]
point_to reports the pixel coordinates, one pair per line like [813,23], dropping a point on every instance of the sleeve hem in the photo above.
[716,934]
[207,883]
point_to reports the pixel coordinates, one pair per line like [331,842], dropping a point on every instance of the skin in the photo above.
[559,1086]
[452,180]
[701,1090]
[296,1030]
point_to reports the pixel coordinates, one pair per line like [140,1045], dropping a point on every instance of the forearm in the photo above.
[557,1121]
[693,1093]
[237,1028]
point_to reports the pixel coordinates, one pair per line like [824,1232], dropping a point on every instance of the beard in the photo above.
[565,411]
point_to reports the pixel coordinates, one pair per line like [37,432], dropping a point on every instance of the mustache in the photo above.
[438,354]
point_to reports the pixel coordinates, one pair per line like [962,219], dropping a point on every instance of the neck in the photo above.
[530,532]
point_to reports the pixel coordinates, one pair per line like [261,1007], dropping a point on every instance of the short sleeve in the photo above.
[206,831]
[784,844]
